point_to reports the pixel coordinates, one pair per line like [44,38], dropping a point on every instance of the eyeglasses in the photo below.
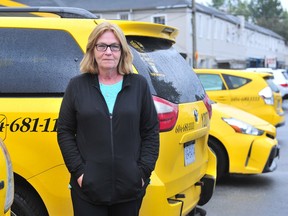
[103,47]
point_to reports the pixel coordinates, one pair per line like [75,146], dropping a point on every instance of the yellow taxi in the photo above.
[6,181]
[242,142]
[249,91]
[38,58]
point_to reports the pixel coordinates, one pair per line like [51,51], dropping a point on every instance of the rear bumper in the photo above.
[279,119]
[156,201]
[184,202]
[271,164]
[209,179]
[280,124]
[207,189]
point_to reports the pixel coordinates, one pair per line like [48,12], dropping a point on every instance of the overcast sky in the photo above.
[283,2]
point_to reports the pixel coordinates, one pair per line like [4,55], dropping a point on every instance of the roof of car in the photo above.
[64,12]
[245,73]
[130,28]
[220,70]
[98,6]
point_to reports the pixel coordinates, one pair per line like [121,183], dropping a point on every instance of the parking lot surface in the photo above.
[250,195]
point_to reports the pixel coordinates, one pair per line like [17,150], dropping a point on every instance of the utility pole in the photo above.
[194,42]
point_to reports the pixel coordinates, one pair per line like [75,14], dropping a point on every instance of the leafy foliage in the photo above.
[217,3]
[266,13]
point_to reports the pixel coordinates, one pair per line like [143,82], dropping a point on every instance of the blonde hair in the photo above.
[89,64]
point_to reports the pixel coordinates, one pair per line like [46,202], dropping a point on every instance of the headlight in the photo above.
[10,179]
[243,127]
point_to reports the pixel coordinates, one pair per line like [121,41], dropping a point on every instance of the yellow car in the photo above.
[242,142]
[6,181]
[37,59]
[248,91]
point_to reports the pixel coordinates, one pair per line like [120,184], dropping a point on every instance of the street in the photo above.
[255,195]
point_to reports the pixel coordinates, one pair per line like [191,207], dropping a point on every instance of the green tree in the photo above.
[239,7]
[265,12]
[217,3]
[283,26]
[270,14]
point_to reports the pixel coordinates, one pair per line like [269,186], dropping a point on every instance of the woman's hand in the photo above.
[80,179]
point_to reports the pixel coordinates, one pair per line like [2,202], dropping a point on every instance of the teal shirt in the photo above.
[110,93]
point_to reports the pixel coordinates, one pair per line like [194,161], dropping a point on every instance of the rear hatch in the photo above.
[185,123]
[276,93]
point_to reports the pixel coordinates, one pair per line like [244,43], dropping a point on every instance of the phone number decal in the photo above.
[30,125]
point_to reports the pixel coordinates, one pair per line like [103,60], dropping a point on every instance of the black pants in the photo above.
[84,208]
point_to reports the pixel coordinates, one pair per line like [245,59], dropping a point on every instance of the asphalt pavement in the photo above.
[255,195]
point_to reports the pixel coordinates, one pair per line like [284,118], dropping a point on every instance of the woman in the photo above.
[108,129]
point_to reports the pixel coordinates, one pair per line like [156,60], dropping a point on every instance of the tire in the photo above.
[27,203]
[222,159]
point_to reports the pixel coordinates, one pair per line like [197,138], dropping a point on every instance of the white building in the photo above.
[222,40]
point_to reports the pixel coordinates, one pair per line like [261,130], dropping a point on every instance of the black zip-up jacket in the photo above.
[113,151]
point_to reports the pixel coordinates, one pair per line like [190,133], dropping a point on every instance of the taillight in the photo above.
[208,105]
[167,113]
[267,95]
[284,85]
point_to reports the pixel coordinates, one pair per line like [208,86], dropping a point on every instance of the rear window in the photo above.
[234,82]
[285,74]
[169,75]
[37,62]
[271,84]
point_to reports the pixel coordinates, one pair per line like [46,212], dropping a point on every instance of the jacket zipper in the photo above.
[111,142]
[112,154]
[111,138]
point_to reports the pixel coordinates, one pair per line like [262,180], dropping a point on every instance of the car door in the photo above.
[3,177]
[6,181]
[216,87]
[40,63]
[243,91]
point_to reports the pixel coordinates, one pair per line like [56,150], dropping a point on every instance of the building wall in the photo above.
[227,41]
[218,40]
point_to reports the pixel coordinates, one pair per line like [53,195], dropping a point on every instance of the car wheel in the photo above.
[222,160]
[27,204]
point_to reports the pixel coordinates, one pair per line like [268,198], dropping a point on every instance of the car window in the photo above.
[278,75]
[271,84]
[168,74]
[234,82]
[211,82]
[285,74]
[37,62]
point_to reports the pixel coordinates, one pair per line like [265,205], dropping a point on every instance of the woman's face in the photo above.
[109,58]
